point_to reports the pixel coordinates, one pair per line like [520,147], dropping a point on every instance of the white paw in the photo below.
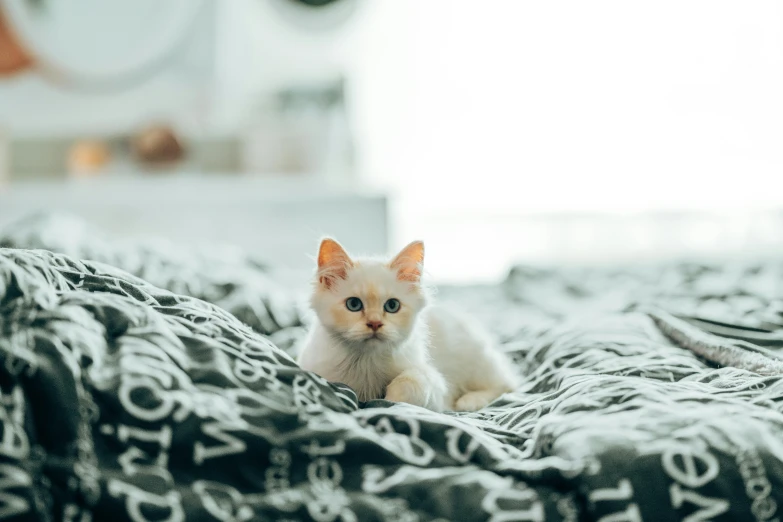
[475,400]
[406,388]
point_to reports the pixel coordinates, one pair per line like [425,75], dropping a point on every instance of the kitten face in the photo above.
[368,304]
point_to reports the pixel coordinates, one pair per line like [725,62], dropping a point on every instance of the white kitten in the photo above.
[376,334]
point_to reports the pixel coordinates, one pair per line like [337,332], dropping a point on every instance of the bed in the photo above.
[142,381]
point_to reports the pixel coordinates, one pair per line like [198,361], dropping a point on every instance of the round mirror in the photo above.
[100,42]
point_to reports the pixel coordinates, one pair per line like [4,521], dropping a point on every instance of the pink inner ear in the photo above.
[327,276]
[408,262]
[409,273]
[333,262]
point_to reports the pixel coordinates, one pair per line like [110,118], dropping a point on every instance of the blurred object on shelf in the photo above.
[301,130]
[294,110]
[47,158]
[158,146]
[88,158]
[14,58]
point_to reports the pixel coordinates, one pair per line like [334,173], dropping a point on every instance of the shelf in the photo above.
[279,218]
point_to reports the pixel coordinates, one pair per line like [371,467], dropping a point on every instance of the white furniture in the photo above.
[278,219]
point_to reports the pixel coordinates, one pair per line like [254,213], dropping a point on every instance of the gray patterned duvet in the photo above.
[150,383]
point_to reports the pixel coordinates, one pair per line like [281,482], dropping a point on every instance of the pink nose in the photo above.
[375,325]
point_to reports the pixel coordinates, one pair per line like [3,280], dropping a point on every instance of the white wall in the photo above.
[583,105]
[483,112]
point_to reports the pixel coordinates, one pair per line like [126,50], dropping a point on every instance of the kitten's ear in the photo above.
[333,262]
[409,262]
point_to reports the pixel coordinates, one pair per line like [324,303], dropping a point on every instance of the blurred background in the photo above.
[498,131]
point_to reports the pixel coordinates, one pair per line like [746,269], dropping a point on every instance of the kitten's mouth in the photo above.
[375,336]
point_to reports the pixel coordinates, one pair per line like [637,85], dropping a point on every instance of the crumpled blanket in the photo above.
[130,402]
[243,285]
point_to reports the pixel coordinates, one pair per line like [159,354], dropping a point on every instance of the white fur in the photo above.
[424,355]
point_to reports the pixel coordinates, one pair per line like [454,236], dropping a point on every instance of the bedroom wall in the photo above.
[504,113]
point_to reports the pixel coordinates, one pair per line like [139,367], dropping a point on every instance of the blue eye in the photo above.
[392,306]
[354,304]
